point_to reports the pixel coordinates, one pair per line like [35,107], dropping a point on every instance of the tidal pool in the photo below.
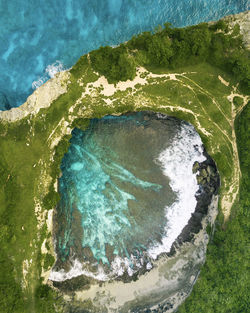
[127,191]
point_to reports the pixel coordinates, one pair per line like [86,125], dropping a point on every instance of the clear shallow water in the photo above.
[35,34]
[127,191]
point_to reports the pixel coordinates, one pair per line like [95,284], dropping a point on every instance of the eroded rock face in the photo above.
[209,182]
[42,97]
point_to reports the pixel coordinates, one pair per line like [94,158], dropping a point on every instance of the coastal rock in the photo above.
[42,97]
[243,19]
[196,167]
[209,182]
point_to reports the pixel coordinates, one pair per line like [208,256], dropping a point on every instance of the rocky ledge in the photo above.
[208,180]
[42,97]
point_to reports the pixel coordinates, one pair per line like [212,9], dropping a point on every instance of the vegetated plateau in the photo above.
[199,74]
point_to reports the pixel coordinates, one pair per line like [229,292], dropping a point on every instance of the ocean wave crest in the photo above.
[50,72]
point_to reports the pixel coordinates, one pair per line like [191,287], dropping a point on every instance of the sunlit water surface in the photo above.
[38,38]
[127,190]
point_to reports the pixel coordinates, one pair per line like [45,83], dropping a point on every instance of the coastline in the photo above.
[41,98]
[208,180]
[44,95]
[208,186]
[158,283]
[82,110]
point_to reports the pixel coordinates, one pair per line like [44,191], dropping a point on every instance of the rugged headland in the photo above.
[35,136]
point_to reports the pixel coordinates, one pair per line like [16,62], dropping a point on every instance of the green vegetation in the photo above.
[223,285]
[216,44]
[238,101]
[115,64]
[27,177]
[32,149]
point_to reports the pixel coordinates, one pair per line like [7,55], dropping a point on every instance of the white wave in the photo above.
[118,267]
[177,163]
[77,270]
[149,266]
[121,265]
[54,68]
[50,72]
[38,83]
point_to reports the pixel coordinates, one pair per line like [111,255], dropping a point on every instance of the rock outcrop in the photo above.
[42,97]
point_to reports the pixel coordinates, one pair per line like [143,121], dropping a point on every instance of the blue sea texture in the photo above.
[38,38]
[120,193]
[127,191]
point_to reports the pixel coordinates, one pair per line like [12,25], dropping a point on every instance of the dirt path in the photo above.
[228,199]
[231,186]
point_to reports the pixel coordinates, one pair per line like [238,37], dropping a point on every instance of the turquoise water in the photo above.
[113,191]
[35,34]
[127,191]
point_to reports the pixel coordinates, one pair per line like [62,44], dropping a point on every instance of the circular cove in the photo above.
[128,190]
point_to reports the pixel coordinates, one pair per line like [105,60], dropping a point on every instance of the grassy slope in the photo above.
[26,177]
[28,171]
[224,285]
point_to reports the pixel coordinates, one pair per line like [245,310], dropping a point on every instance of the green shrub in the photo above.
[115,63]
[223,285]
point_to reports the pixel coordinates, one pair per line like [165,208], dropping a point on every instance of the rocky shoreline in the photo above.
[208,181]
[42,97]
[171,280]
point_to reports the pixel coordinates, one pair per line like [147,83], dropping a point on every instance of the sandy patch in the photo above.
[109,90]
[25,267]
[158,284]
[223,81]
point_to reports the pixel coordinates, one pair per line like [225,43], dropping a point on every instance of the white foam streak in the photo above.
[77,270]
[177,163]
[54,68]
[118,267]
[50,72]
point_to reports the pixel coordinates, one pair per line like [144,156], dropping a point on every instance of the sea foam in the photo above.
[176,162]
[50,72]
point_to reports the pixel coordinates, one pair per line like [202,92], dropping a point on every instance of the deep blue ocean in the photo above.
[36,34]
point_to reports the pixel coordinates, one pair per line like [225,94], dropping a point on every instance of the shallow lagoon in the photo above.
[127,191]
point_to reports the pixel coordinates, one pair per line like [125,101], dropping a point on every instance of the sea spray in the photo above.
[175,162]
[50,72]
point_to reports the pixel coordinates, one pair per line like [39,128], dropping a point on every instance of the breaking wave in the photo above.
[176,162]
[50,72]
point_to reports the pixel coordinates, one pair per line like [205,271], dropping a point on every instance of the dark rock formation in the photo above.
[209,183]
